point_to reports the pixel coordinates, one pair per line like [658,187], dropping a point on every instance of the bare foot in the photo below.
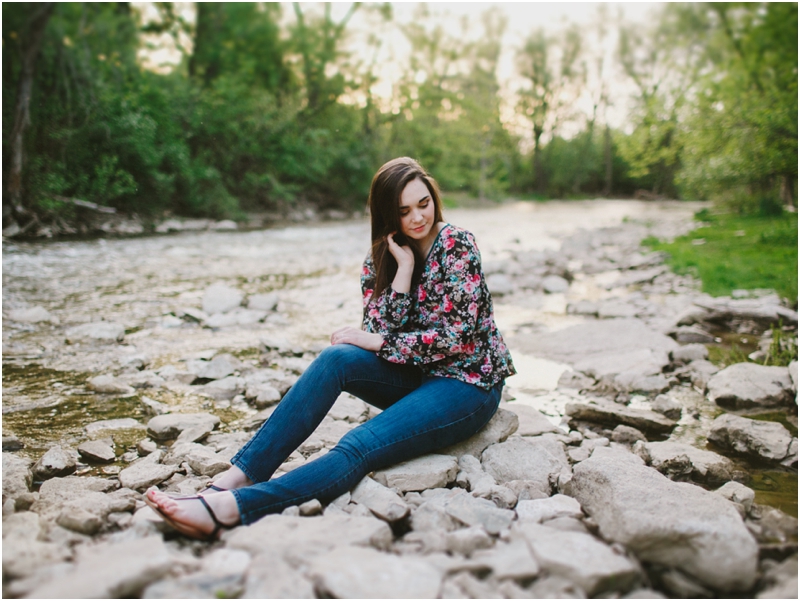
[231,479]
[194,516]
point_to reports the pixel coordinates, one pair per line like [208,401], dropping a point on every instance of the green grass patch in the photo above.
[732,252]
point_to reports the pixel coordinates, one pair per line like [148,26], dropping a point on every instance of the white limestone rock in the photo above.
[383,502]
[542,510]
[101,331]
[770,441]
[533,459]
[750,386]
[169,426]
[428,471]
[502,425]
[664,522]
[221,298]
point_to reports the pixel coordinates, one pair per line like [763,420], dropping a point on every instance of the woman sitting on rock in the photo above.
[428,354]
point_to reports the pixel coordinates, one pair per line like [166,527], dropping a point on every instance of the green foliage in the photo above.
[739,252]
[782,349]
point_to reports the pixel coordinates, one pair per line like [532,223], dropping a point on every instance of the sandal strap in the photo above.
[217,524]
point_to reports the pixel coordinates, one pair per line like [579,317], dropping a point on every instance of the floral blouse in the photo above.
[447,326]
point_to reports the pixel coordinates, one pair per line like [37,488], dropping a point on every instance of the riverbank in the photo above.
[616,439]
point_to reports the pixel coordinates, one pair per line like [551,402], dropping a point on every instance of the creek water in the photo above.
[314,268]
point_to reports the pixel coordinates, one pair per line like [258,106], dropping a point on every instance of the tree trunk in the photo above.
[538,168]
[31,41]
[787,191]
[609,162]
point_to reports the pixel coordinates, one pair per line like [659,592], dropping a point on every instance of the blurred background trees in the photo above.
[272,109]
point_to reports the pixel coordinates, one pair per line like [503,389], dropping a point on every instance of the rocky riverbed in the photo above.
[625,461]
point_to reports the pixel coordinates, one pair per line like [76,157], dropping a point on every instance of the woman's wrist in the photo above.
[402,279]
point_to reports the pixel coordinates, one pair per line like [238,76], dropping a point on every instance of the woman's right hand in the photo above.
[402,254]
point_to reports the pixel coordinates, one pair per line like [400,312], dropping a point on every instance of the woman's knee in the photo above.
[342,355]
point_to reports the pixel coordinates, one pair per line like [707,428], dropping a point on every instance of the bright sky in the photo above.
[522,19]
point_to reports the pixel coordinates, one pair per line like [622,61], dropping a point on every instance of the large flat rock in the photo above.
[111,570]
[702,465]
[360,573]
[751,386]
[319,533]
[614,414]
[533,459]
[757,439]
[502,425]
[669,523]
[428,471]
[594,340]
[580,558]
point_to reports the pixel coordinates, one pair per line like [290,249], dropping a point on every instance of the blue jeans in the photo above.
[420,414]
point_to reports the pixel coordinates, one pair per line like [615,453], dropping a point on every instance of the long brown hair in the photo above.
[384,207]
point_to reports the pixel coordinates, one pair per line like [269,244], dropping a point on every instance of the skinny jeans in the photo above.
[420,414]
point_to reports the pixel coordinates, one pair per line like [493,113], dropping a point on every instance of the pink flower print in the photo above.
[473,378]
[365,270]
[421,295]
[405,350]
[374,313]
[434,265]
[449,243]
[438,288]
[448,305]
[458,265]
[368,293]
[473,308]
[469,287]
[428,337]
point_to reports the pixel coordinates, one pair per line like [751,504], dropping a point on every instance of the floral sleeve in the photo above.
[386,312]
[457,291]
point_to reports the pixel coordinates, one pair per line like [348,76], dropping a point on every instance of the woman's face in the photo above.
[417,212]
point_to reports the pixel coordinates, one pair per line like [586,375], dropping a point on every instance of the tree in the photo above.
[29,41]
[550,67]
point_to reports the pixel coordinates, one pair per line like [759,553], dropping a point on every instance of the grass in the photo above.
[730,252]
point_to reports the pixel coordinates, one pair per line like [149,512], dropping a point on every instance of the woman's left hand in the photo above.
[359,338]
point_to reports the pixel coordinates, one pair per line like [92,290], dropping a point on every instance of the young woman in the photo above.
[428,354]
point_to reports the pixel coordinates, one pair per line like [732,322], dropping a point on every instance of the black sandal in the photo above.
[189,530]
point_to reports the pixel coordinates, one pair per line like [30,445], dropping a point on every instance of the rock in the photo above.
[111,570]
[224,225]
[466,586]
[542,510]
[642,384]
[263,302]
[668,407]
[143,379]
[57,461]
[383,502]
[555,587]
[166,427]
[624,365]
[109,385]
[271,576]
[512,559]
[502,425]
[772,527]
[528,489]
[12,443]
[97,450]
[428,471]
[473,511]
[581,559]
[582,307]
[327,435]
[689,353]
[103,428]
[554,284]
[764,311]
[499,284]
[692,334]
[318,533]
[627,435]
[738,493]
[31,315]
[220,366]
[664,522]
[533,459]
[749,386]
[575,380]
[56,493]
[472,477]
[146,472]
[613,414]
[145,447]
[614,309]
[263,394]
[466,541]
[595,340]
[703,466]
[780,580]
[224,389]
[221,298]
[355,572]
[431,516]
[17,477]
[768,441]
[101,331]
[531,421]
[170,372]
[236,317]
[196,433]
[700,372]
[348,408]
[23,553]
[793,375]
